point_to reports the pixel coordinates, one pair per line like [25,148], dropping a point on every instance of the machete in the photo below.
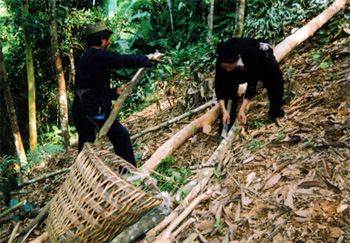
[225,128]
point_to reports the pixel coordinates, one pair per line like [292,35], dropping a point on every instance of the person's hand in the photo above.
[150,56]
[121,89]
[242,118]
[226,117]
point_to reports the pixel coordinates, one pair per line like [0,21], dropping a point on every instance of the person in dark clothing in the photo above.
[248,60]
[93,94]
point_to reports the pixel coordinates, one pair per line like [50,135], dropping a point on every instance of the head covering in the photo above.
[227,52]
[95,28]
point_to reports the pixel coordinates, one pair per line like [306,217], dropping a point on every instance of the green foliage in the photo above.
[266,20]
[26,207]
[8,178]
[54,135]
[42,153]
[171,177]
[255,144]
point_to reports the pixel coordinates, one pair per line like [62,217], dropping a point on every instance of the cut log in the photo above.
[204,123]
[176,119]
[292,41]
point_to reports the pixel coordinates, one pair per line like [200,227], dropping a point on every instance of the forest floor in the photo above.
[277,184]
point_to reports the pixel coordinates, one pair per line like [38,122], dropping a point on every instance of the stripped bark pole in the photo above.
[176,119]
[204,123]
[292,41]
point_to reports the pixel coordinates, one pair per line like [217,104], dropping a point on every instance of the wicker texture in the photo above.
[95,203]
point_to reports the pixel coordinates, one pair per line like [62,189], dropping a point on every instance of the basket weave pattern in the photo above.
[95,203]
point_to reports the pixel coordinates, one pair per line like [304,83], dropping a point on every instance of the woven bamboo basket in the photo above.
[95,203]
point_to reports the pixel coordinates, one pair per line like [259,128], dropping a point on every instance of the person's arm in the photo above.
[118,61]
[242,118]
[225,115]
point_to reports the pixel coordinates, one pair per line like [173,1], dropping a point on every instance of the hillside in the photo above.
[277,184]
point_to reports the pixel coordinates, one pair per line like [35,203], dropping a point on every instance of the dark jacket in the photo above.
[93,93]
[258,65]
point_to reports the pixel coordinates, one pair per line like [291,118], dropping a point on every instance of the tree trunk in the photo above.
[171,16]
[59,75]
[11,110]
[211,21]
[240,5]
[292,41]
[204,122]
[31,80]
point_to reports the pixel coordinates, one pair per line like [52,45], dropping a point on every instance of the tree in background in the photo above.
[11,110]
[31,80]
[211,21]
[59,74]
[240,6]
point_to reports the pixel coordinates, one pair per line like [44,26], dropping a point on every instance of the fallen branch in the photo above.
[18,205]
[41,238]
[22,215]
[176,119]
[41,216]
[313,102]
[14,232]
[206,175]
[292,41]
[43,177]
[166,235]
[183,227]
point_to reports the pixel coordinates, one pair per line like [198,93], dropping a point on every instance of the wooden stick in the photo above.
[41,238]
[41,216]
[43,177]
[24,238]
[18,205]
[14,232]
[166,235]
[191,238]
[183,226]
[119,103]
[225,144]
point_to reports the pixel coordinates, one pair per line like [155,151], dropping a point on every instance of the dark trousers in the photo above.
[87,129]
[272,80]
